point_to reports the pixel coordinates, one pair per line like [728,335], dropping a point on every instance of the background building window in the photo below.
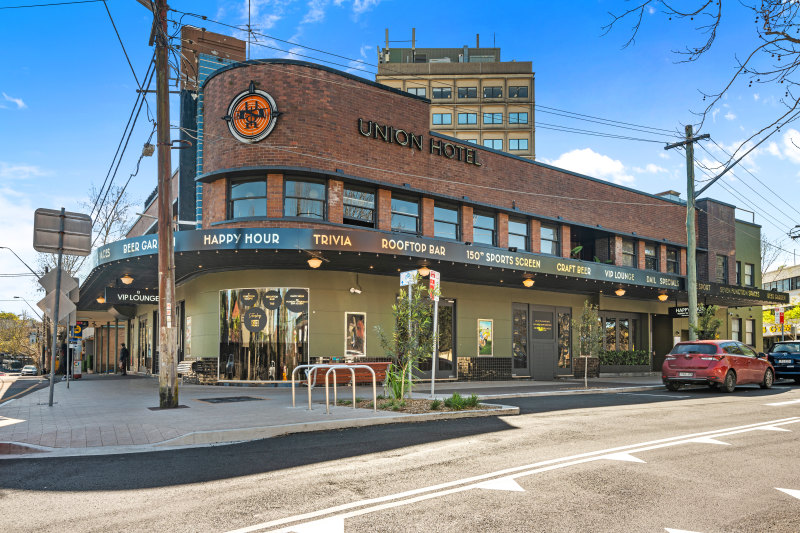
[359,207]
[518,92]
[549,239]
[518,144]
[736,329]
[748,275]
[722,269]
[749,328]
[304,199]
[497,144]
[517,118]
[467,92]
[445,222]
[738,272]
[629,253]
[417,91]
[248,198]
[518,234]
[673,256]
[442,92]
[405,215]
[650,257]
[492,118]
[442,119]
[467,118]
[473,141]
[492,92]
[483,229]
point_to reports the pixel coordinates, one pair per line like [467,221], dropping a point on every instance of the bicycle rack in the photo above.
[311,372]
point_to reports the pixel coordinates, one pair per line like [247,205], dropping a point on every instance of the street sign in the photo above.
[77,232]
[435,279]
[48,303]
[48,281]
[780,317]
[409,277]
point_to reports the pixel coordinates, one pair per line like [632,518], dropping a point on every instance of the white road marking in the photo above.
[503,483]
[326,525]
[709,440]
[784,403]
[772,428]
[791,492]
[362,507]
[9,421]
[622,456]
[670,530]
[657,395]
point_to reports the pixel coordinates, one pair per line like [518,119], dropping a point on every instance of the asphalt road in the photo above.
[13,387]
[693,460]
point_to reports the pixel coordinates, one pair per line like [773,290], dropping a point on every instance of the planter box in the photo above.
[623,369]
[578,367]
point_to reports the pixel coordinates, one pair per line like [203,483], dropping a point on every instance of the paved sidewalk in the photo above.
[112,414]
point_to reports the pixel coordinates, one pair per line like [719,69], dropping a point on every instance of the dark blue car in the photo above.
[785,358]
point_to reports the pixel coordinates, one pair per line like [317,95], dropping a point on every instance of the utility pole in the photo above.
[691,236]
[167,338]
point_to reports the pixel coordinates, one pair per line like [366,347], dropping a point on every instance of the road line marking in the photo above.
[784,403]
[670,530]
[7,400]
[772,428]
[709,440]
[435,491]
[790,492]
[658,395]
[503,483]
[622,456]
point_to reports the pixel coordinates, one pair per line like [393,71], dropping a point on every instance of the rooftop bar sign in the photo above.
[440,147]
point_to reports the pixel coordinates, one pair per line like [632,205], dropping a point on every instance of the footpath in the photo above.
[107,414]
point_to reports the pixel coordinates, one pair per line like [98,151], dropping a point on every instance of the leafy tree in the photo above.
[707,322]
[590,331]
[15,333]
[404,347]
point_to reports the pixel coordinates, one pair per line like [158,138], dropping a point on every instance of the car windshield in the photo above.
[785,348]
[694,348]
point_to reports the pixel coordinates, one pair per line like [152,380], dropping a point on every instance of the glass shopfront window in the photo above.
[263,333]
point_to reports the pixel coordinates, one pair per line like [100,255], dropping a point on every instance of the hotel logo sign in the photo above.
[251,115]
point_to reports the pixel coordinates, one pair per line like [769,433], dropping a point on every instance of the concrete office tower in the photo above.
[475,96]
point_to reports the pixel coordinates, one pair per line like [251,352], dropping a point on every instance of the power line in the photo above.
[121,44]
[553,109]
[53,4]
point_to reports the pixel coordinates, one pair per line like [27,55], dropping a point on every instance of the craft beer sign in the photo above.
[251,115]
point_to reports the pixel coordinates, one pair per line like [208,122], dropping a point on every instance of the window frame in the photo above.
[498,89]
[496,118]
[556,244]
[752,275]
[651,261]
[467,91]
[525,238]
[493,141]
[373,209]
[447,207]
[514,118]
[673,265]
[416,91]
[393,212]
[511,91]
[441,117]
[442,90]
[518,148]
[493,229]
[467,115]
[301,179]
[631,256]
[749,331]
[231,201]
[724,279]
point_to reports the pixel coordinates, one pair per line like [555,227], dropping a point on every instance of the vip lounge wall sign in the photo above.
[131,296]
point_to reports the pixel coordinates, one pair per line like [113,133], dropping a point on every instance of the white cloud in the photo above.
[650,168]
[360,6]
[356,67]
[663,155]
[316,12]
[714,114]
[791,145]
[16,218]
[10,171]
[590,163]
[756,96]
[772,149]
[730,116]
[18,101]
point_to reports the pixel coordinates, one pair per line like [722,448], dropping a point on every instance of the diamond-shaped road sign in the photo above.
[48,305]
[48,281]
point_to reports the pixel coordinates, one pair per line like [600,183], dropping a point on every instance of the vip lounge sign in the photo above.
[131,296]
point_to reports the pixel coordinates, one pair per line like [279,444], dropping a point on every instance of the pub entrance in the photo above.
[541,341]
[447,350]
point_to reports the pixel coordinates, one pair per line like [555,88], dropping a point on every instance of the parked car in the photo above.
[716,363]
[29,370]
[785,359]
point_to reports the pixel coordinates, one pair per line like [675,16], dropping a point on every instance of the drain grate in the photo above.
[230,399]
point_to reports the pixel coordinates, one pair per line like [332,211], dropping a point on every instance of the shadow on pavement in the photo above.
[198,465]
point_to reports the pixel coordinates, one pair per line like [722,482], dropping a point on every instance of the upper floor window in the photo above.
[442,119]
[445,222]
[518,118]
[492,118]
[722,269]
[628,253]
[473,141]
[518,144]
[549,239]
[248,198]
[518,92]
[738,272]
[304,198]
[518,234]
[467,92]
[418,91]
[358,206]
[748,275]
[492,92]
[442,92]
[673,256]
[467,118]
[483,229]
[497,144]
[650,257]
[749,330]
[405,215]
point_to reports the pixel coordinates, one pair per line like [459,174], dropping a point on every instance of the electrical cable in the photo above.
[53,4]
[121,44]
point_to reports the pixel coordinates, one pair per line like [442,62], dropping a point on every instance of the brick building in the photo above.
[313,189]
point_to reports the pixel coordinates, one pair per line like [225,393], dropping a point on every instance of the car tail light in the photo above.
[712,357]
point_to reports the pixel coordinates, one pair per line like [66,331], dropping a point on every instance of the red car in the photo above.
[716,363]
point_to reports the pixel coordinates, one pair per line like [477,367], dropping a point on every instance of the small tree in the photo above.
[404,347]
[590,331]
[707,322]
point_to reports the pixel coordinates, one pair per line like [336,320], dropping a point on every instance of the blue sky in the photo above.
[66,92]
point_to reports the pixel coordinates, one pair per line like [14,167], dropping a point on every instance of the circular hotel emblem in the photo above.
[251,115]
[254,319]
[272,299]
[248,297]
[296,300]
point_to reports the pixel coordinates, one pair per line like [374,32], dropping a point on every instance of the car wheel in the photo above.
[730,382]
[769,379]
[671,385]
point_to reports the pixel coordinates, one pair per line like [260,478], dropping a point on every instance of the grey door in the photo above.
[537,335]
[543,351]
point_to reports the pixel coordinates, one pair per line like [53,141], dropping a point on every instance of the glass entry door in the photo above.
[447,366]
[540,341]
